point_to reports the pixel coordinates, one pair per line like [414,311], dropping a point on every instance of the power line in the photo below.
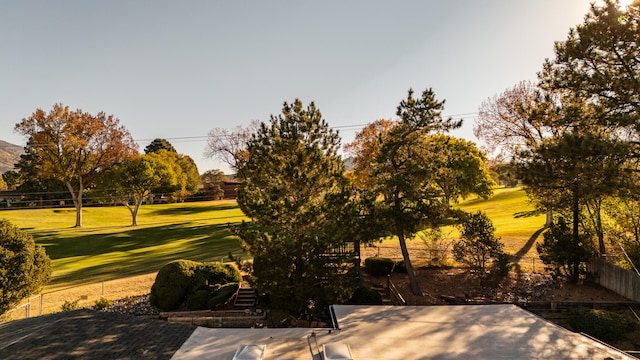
[203,138]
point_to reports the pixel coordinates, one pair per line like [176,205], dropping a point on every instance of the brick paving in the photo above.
[88,334]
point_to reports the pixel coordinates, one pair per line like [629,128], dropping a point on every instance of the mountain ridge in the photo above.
[9,155]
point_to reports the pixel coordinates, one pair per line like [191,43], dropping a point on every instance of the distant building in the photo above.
[230,189]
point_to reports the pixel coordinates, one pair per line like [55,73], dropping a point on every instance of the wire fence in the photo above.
[87,295]
[81,296]
[425,256]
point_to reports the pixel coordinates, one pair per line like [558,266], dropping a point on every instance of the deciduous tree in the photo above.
[75,147]
[129,184]
[365,148]
[230,147]
[460,168]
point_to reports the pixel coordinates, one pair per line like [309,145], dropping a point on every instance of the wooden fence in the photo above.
[619,280]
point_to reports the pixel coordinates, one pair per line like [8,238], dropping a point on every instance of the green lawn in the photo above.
[106,247]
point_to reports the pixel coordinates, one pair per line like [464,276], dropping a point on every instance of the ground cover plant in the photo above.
[107,247]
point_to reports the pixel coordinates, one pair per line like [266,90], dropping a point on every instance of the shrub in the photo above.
[172,284]
[400,267]
[70,305]
[365,295]
[191,282]
[199,300]
[560,252]
[601,324]
[478,246]
[102,303]
[378,266]
[24,267]
[224,294]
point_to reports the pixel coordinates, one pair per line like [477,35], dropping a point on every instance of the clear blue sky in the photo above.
[178,69]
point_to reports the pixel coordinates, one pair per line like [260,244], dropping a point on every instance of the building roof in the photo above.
[411,332]
[365,332]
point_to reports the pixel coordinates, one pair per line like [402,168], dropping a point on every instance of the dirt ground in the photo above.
[447,285]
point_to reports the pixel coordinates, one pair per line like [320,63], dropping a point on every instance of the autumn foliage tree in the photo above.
[365,148]
[75,147]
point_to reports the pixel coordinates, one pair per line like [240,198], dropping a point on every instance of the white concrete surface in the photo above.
[411,332]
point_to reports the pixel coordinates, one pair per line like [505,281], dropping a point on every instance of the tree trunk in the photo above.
[77,200]
[549,219]
[576,233]
[134,213]
[413,281]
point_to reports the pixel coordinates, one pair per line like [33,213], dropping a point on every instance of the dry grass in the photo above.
[86,295]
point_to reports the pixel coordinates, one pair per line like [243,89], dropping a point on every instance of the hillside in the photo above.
[9,155]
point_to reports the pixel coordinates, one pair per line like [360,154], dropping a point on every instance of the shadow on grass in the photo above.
[190,209]
[95,257]
[525,248]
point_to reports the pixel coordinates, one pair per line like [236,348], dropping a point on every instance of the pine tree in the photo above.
[295,193]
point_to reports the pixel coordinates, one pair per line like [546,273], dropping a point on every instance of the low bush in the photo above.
[365,295]
[223,295]
[190,282]
[400,267]
[70,305]
[601,324]
[199,300]
[102,303]
[378,266]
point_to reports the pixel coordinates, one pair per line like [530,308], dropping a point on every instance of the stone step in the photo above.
[245,298]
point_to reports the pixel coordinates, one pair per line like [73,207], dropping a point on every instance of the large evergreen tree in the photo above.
[295,193]
[403,171]
[600,60]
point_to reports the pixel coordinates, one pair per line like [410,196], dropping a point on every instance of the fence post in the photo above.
[29,308]
[102,288]
[40,312]
[388,285]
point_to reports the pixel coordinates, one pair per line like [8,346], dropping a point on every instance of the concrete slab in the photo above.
[411,332]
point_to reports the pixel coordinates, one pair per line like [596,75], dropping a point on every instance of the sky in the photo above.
[179,69]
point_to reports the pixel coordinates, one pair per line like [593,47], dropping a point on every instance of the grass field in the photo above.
[510,211]
[106,247]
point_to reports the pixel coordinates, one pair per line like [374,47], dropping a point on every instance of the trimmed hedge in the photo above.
[378,266]
[190,282]
[365,295]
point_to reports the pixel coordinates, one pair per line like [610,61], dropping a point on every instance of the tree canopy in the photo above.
[600,61]
[295,193]
[75,147]
[403,172]
[159,144]
[129,183]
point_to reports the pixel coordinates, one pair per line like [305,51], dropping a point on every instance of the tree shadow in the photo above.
[187,209]
[525,249]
